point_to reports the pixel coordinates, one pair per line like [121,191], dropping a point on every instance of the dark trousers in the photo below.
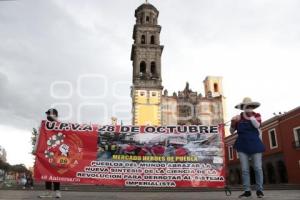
[49,185]
[29,183]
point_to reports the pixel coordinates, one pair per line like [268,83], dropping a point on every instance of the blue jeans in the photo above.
[257,162]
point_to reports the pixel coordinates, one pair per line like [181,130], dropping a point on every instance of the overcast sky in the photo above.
[63,53]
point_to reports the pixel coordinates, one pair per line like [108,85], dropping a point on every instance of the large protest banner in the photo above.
[145,156]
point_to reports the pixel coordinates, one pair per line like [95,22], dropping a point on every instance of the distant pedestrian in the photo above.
[29,181]
[249,145]
[22,180]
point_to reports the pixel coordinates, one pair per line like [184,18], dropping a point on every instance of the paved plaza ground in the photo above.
[270,194]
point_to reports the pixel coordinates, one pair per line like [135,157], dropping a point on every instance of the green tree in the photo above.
[4,165]
[20,168]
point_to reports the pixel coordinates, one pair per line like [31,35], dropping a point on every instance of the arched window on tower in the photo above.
[143,39]
[147,19]
[142,68]
[152,39]
[216,87]
[153,69]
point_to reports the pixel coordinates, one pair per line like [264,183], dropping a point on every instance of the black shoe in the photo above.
[245,194]
[259,194]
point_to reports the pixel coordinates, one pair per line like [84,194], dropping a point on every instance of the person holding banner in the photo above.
[52,115]
[248,144]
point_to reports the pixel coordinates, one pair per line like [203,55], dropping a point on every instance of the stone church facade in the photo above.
[151,105]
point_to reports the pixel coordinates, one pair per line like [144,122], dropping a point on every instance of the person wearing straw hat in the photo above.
[248,144]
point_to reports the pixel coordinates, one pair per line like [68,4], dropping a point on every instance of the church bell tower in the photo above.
[146,90]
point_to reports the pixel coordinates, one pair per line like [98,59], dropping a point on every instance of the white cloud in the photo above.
[17,143]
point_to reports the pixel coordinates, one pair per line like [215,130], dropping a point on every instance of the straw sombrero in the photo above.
[247,103]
